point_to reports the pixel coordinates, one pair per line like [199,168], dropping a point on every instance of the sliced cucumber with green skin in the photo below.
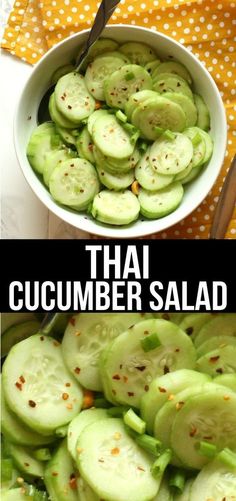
[168,82]
[74,183]
[10,319]
[158,113]
[195,171]
[85,493]
[147,177]
[34,384]
[213,415]
[67,137]
[192,323]
[173,317]
[57,116]
[15,495]
[117,208]
[108,135]
[228,380]
[98,48]
[72,97]
[186,104]
[157,204]
[162,388]
[61,71]
[116,166]
[17,333]
[60,476]
[138,53]
[184,173]
[221,325]
[84,145]
[25,461]
[39,145]
[209,145]
[152,65]
[214,343]
[199,149]
[171,156]
[113,465]
[215,481]
[125,82]
[185,495]
[173,67]
[115,53]
[166,415]
[53,159]
[93,117]
[79,423]
[117,182]
[85,338]
[203,119]
[98,71]
[136,99]
[219,361]
[16,431]
[130,370]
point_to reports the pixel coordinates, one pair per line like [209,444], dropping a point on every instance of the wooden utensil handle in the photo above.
[225,204]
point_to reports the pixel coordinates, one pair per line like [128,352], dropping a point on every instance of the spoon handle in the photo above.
[104,13]
[225,204]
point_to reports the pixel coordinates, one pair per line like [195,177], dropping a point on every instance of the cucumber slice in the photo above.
[61,71]
[147,177]
[74,183]
[192,323]
[67,137]
[219,361]
[195,171]
[85,493]
[114,166]
[53,159]
[10,319]
[228,380]
[117,182]
[152,65]
[98,71]
[157,204]
[214,343]
[211,415]
[72,97]
[156,113]
[39,145]
[223,325]
[184,173]
[60,476]
[130,370]
[34,384]
[138,53]
[173,317]
[118,208]
[209,145]
[98,48]
[167,82]
[108,135]
[125,82]
[136,99]
[116,53]
[162,387]
[186,104]
[79,423]
[113,465]
[85,338]
[16,431]
[16,495]
[25,462]
[84,145]
[57,116]
[93,117]
[17,333]
[171,156]
[199,149]
[215,482]
[173,67]
[203,118]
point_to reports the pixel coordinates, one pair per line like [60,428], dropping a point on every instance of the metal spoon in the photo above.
[226,204]
[104,13]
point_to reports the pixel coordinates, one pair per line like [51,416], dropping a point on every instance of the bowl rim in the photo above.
[112,231]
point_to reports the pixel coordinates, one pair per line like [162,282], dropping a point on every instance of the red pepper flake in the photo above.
[65,396]
[56,343]
[207,438]
[121,366]
[63,98]
[179,405]
[115,451]
[146,333]
[140,468]
[22,379]
[141,368]
[18,385]
[66,174]
[29,117]
[72,321]
[69,107]
[101,461]
[32,403]
[193,431]
[54,474]
[220,371]
[146,387]
[189,331]
[81,191]
[26,464]
[73,481]
[177,350]
[165,316]
[214,359]
[68,385]
[90,147]
[41,338]
[125,378]
[166,369]
[72,165]
[130,393]
[77,370]
[116,377]
[161,389]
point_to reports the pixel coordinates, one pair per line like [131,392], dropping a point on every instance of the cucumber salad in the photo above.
[126,135]
[120,407]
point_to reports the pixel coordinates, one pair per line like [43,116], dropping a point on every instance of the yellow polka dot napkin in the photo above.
[205,27]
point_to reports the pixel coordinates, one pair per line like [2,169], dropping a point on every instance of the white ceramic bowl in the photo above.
[38,83]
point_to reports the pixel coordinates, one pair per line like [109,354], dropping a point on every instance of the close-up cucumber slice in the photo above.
[61,476]
[219,361]
[118,181]
[138,53]
[168,82]
[156,204]
[108,135]
[98,71]
[186,104]
[79,423]
[57,117]
[157,114]
[171,156]
[25,462]
[37,385]
[221,325]
[203,115]
[125,82]
[84,145]
[72,97]
[54,158]
[147,177]
[136,99]
[113,464]
[228,380]
[173,67]
[215,482]
[40,144]
[117,208]
[214,343]
[193,322]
